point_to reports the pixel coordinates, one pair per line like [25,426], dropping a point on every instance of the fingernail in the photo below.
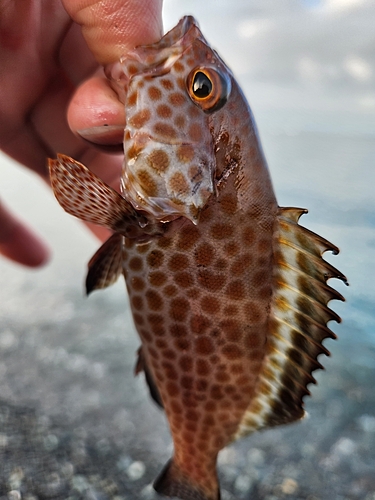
[103,135]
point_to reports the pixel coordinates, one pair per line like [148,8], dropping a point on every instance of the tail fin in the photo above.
[172,482]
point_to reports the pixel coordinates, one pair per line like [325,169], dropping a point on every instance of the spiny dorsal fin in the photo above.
[298,323]
[105,265]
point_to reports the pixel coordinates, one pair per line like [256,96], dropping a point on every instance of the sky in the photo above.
[324,46]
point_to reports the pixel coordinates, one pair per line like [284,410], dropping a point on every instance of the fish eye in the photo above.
[208,88]
[202,85]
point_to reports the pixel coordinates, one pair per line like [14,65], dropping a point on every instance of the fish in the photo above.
[228,291]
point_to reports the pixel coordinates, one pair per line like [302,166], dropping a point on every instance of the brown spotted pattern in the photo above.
[169,157]
[82,194]
[228,292]
[203,324]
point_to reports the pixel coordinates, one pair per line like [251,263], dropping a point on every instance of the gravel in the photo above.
[75,424]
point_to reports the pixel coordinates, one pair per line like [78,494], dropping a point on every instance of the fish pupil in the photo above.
[202,85]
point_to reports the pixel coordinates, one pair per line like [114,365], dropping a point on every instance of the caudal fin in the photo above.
[172,482]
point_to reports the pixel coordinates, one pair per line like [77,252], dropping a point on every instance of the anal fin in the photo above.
[141,366]
[105,266]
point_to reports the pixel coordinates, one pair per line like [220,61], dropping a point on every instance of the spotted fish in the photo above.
[228,291]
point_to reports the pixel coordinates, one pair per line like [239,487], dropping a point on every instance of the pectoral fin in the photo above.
[106,265]
[81,193]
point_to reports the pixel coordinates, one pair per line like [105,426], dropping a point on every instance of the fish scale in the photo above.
[228,291]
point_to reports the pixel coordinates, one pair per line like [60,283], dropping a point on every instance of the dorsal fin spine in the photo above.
[297,323]
[332,315]
[317,258]
[318,345]
[322,285]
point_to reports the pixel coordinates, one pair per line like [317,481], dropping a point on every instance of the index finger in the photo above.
[113,27]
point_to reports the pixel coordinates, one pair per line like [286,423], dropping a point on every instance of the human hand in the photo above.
[54,97]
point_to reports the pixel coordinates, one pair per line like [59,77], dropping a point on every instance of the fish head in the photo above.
[171,89]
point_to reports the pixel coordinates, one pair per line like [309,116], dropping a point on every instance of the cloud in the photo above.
[358,68]
[322,47]
[253,27]
[342,5]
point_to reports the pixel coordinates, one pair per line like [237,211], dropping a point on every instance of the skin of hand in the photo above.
[54,97]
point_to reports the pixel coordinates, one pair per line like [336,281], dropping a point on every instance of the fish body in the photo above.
[228,291]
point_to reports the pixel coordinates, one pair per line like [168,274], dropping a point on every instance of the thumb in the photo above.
[112,27]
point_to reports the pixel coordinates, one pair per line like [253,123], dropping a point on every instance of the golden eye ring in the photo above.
[208,88]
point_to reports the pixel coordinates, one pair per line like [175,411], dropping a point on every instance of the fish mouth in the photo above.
[154,59]
[181,36]
[175,34]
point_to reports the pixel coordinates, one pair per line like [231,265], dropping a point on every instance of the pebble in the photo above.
[67,470]
[44,422]
[243,483]
[289,486]
[308,450]
[3,440]
[79,455]
[15,478]
[366,423]
[344,446]
[256,457]
[109,487]
[79,483]
[14,495]
[123,463]
[50,442]
[103,446]
[225,495]
[52,485]
[230,472]
[136,470]
[227,456]
[148,493]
